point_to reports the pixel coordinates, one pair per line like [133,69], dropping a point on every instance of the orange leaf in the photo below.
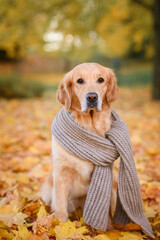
[128,227]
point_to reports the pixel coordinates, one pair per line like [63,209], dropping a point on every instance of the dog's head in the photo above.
[89,86]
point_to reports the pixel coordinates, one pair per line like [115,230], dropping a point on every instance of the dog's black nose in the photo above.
[92,97]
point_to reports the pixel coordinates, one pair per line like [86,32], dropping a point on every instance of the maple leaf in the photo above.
[6,234]
[68,229]
[22,178]
[46,222]
[11,218]
[131,236]
[113,235]
[42,236]
[23,233]
[130,226]
[42,212]
[148,211]
[101,237]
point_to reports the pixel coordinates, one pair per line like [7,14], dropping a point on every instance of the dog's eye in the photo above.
[80,81]
[100,80]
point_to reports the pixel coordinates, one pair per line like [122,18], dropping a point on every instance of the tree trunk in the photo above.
[156,77]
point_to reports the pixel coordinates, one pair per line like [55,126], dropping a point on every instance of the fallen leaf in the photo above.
[19,218]
[43,236]
[128,227]
[22,178]
[11,218]
[6,234]
[42,212]
[131,236]
[148,211]
[157,233]
[23,233]
[101,237]
[153,151]
[68,229]
[45,221]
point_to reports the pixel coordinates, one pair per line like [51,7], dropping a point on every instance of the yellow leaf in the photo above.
[33,150]
[81,221]
[12,207]
[51,231]
[136,139]
[131,236]
[23,233]
[42,212]
[86,238]
[29,162]
[148,211]
[55,222]
[2,225]
[22,178]
[4,233]
[156,223]
[153,151]
[114,235]
[7,209]
[68,229]
[101,237]
[82,230]
[157,233]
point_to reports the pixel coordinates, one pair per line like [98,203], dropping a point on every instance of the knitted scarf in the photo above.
[102,152]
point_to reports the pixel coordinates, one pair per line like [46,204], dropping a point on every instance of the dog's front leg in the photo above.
[60,198]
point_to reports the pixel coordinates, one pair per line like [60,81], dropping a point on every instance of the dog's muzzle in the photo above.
[92,100]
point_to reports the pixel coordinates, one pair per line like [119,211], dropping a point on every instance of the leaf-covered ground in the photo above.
[25,160]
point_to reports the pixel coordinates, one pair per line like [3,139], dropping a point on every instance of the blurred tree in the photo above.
[23,23]
[118,29]
[114,28]
[156,80]
[154,8]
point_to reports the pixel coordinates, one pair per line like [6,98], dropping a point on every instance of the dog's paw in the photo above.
[61,216]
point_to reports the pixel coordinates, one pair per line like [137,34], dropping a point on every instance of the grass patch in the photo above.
[53,87]
[135,77]
[14,86]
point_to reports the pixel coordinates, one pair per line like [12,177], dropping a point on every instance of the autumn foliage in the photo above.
[25,160]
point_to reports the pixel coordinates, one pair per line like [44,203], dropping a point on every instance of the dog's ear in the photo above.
[112,88]
[64,93]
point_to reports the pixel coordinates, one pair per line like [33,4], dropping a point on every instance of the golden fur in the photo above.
[67,185]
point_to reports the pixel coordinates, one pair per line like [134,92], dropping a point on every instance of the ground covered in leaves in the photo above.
[25,160]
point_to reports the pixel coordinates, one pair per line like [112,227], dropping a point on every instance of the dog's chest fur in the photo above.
[78,170]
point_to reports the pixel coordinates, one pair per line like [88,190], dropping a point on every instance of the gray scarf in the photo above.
[102,152]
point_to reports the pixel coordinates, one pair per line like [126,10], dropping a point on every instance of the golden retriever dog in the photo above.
[87,91]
